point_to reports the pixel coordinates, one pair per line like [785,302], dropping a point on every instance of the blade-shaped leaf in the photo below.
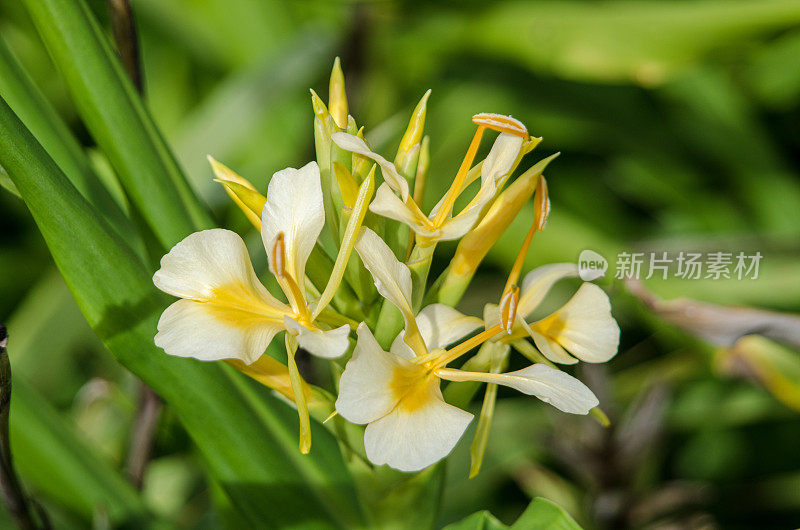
[108,104]
[248,438]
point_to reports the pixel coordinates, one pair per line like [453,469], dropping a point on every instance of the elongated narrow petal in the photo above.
[550,385]
[294,207]
[227,312]
[392,278]
[365,388]
[538,283]
[501,158]
[387,204]
[584,326]
[418,434]
[354,144]
[328,344]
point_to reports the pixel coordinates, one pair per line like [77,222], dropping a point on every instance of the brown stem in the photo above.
[10,489]
[150,404]
[124,28]
[143,433]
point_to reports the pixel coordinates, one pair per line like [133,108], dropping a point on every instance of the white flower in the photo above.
[440,225]
[583,327]
[397,394]
[225,312]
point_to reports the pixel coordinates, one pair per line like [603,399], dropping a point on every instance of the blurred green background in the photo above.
[679,128]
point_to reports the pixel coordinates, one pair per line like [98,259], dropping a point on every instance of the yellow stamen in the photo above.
[461,176]
[508,308]
[542,205]
[443,358]
[501,123]
[277,266]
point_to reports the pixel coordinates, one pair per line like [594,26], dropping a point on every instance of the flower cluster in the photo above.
[320,294]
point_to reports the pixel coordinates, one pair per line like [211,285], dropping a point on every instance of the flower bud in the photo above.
[337,97]
[243,193]
[408,151]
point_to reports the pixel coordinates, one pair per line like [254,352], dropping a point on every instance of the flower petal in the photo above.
[210,263]
[209,332]
[538,283]
[354,144]
[365,392]
[387,204]
[294,207]
[550,385]
[550,348]
[413,438]
[440,325]
[584,326]
[392,278]
[328,344]
[501,157]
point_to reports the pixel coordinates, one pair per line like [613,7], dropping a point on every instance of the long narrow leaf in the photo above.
[247,438]
[50,130]
[117,119]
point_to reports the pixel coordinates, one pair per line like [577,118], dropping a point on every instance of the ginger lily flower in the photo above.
[224,311]
[440,224]
[397,394]
[583,327]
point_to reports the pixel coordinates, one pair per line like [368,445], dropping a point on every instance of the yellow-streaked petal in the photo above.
[213,266]
[365,388]
[354,144]
[211,332]
[411,438]
[584,326]
[550,385]
[294,207]
[226,313]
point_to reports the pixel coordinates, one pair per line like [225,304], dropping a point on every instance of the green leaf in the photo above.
[108,104]
[247,437]
[43,121]
[542,514]
[482,520]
